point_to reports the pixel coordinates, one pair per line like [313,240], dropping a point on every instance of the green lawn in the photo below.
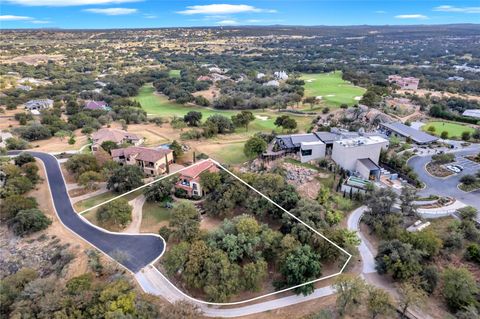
[154,213]
[174,73]
[229,154]
[95,200]
[158,105]
[333,90]
[454,130]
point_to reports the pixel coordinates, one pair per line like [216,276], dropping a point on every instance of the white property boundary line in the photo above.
[262,195]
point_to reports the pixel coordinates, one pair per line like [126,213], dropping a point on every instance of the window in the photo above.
[306,152]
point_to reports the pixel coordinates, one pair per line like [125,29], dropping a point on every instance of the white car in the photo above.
[452,168]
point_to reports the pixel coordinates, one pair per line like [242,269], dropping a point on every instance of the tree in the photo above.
[431,129]
[81,163]
[117,212]
[89,179]
[466,135]
[125,178]
[444,135]
[300,266]
[429,279]
[14,143]
[350,290]
[379,302]
[399,259]
[176,149]
[254,147]
[410,295]
[426,241]
[160,191]
[253,274]
[23,158]
[210,181]
[176,258]
[11,205]
[459,288]
[109,146]
[28,221]
[468,179]
[220,123]
[193,118]
[243,119]
[186,221]
[408,197]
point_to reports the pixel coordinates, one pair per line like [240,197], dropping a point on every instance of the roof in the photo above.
[294,140]
[141,153]
[196,169]
[96,105]
[327,137]
[368,163]
[472,113]
[406,131]
[361,140]
[113,135]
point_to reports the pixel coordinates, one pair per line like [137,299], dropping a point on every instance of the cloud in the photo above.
[227,22]
[14,18]
[457,9]
[112,11]
[65,3]
[216,9]
[380,12]
[40,21]
[149,16]
[411,16]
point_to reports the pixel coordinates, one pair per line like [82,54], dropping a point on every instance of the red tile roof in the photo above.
[141,153]
[198,168]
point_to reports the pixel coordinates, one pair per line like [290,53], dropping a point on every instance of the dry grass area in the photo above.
[55,144]
[32,59]
[78,246]
[423,92]
[209,94]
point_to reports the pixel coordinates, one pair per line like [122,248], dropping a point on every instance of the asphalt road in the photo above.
[132,251]
[447,186]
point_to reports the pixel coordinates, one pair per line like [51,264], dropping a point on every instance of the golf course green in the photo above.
[454,130]
[332,89]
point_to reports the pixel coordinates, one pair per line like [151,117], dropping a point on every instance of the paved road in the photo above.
[136,251]
[447,186]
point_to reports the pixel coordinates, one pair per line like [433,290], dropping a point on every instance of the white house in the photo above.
[38,105]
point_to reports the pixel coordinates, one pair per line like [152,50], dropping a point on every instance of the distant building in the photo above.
[152,162]
[272,83]
[260,76]
[472,113]
[117,136]
[456,78]
[401,130]
[96,105]
[409,83]
[190,178]
[24,87]
[281,75]
[204,78]
[38,105]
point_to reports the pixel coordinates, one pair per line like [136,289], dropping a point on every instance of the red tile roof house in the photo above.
[190,178]
[96,105]
[152,162]
[117,136]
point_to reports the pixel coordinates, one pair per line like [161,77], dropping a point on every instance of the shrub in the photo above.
[117,212]
[29,221]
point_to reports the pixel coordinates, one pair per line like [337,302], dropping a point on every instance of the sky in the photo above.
[104,14]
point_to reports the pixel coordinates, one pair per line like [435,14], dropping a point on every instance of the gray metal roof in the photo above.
[294,140]
[406,131]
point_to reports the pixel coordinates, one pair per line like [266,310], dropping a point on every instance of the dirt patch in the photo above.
[55,144]
[209,223]
[210,94]
[69,178]
[437,170]
[34,59]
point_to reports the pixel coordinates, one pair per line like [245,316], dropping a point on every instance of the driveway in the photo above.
[132,251]
[448,186]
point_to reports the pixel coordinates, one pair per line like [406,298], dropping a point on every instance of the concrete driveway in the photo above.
[132,251]
[448,186]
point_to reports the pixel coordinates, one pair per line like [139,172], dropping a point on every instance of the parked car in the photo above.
[452,168]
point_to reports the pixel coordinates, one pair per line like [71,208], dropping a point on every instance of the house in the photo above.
[38,105]
[153,162]
[356,152]
[408,83]
[272,83]
[116,136]
[96,105]
[360,155]
[401,130]
[190,178]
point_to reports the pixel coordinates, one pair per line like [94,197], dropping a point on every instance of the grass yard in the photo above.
[154,216]
[333,90]
[95,200]
[174,73]
[226,153]
[454,130]
[158,105]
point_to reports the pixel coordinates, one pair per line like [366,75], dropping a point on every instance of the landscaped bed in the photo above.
[470,187]
[438,170]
